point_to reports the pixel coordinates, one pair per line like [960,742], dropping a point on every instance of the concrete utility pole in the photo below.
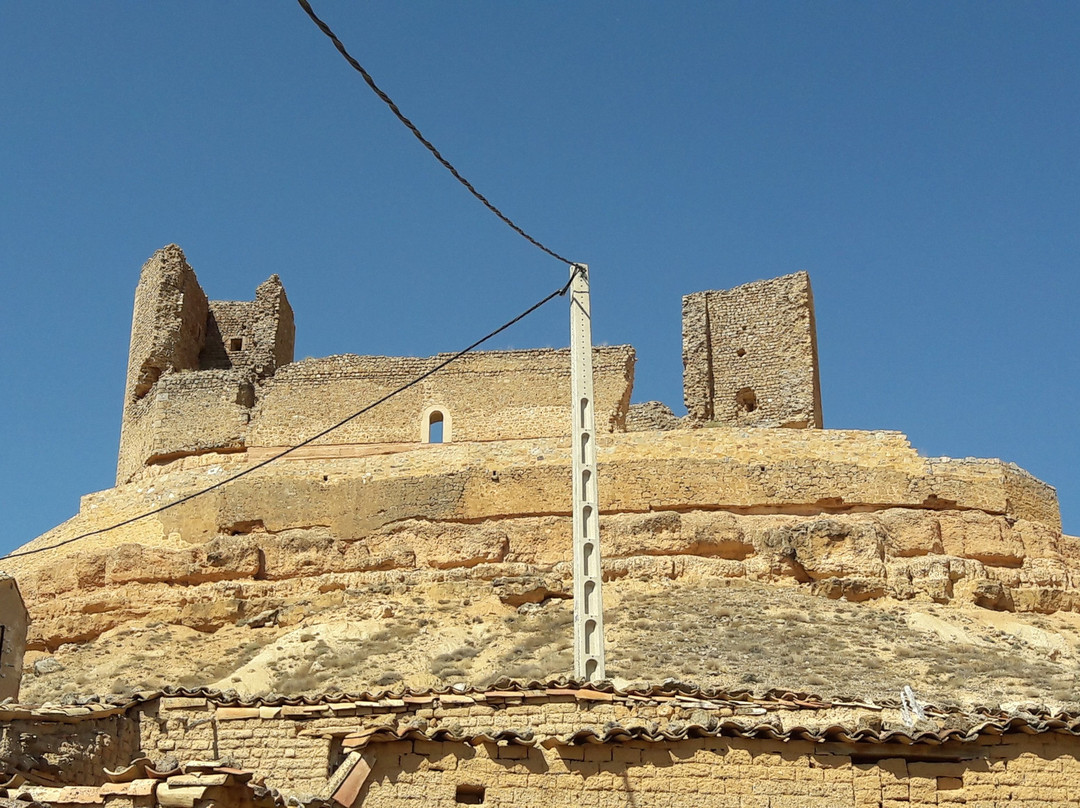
[588,598]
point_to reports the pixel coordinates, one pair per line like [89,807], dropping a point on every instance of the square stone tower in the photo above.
[750,355]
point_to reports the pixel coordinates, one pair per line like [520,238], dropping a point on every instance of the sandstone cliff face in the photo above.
[415,564]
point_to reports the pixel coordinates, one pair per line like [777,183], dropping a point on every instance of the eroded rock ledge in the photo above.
[971,557]
[854,515]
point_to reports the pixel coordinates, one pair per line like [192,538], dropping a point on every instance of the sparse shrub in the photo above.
[526,672]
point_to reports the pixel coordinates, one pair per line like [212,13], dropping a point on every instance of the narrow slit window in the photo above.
[435,427]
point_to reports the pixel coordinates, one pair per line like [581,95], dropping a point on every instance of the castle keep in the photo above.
[750,355]
[796,617]
[218,376]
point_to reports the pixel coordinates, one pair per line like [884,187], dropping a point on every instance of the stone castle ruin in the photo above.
[795,616]
[218,376]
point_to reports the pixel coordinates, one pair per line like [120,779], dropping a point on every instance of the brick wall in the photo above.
[552,747]
[70,752]
[721,773]
[750,354]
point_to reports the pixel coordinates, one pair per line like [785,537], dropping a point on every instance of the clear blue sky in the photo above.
[919,159]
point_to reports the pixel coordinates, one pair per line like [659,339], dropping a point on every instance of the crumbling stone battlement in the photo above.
[217,375]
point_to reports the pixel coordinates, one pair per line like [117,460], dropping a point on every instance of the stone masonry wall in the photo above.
[482,397]
[719,773]
[13,627]
[298,747]
[204,376]
[750,355]
[504,749]
[168,325]
[168,328]
[651,415]
[194,364]
[256,336]
[497,395]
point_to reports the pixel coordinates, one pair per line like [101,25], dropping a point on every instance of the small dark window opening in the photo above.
[746,399]
[435,427]
[3,630]
[469,795]
[741,352]
[236,344]
[337,756]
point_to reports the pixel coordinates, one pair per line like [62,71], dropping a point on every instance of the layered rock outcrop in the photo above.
[850,515]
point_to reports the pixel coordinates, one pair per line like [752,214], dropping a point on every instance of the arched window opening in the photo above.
[436,424]
[435,427]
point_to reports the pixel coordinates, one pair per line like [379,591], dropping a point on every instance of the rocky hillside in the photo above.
[732,634]
[808,560]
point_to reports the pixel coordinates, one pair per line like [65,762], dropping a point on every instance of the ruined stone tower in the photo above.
[750,355]
[176,330]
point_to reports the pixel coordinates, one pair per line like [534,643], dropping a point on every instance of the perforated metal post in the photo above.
[588,598]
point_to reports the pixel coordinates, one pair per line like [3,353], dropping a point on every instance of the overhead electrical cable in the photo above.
[427,143]
[262,464]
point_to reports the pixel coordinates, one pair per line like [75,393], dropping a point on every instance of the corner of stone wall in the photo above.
[168,330]
[622,406]
[14,623]
[1030,498]
[280,327]
[696,357]
[195,365]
